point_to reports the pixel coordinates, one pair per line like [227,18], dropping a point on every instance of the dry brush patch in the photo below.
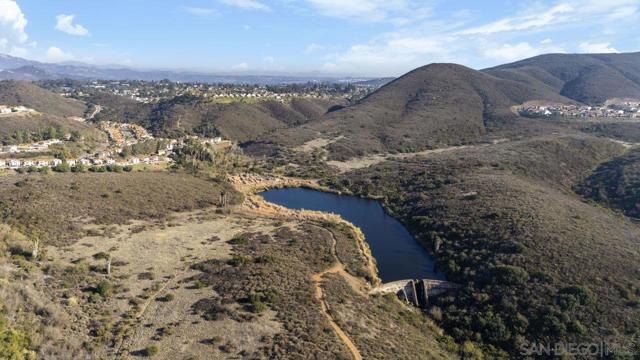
[61,205]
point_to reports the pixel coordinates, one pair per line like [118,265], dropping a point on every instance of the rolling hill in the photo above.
[37,98]
[587,78]
[433,106]
[236,121]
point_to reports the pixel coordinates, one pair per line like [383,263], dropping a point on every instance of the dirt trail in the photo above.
[250,185]
[337,268]
[131,331]
[366,161]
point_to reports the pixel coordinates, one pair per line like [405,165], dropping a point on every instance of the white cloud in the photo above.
[597,48]
[55,54]
[394,53]
[18,51]
[508,52]
[623,12]
[269,59]
[313,47]
[247,4]
[201,11]
[450,38]
[329,67]
[240,67]
[531,20]
[66,25]
[12,25]
[398,12]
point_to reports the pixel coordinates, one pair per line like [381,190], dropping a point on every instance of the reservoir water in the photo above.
[397,253]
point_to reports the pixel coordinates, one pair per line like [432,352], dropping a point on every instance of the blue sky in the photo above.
[354,37]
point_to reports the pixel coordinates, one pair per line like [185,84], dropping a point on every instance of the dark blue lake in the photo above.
[397,253]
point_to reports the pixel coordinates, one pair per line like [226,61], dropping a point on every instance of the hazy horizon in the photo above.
[321,37]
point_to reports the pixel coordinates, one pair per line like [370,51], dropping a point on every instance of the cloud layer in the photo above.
[12,26]
[247,4]
[66,25]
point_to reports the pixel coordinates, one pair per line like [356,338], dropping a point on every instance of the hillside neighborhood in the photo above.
[611,109]
[155,91]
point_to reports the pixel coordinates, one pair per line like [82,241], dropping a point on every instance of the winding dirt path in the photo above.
[337,268]
[132,330]
[250,185]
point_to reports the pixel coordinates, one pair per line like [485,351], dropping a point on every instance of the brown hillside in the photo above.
[236,121]
[589,78]
[433,106]
[35,97]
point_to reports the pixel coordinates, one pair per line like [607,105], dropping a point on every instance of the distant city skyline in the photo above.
[332,37]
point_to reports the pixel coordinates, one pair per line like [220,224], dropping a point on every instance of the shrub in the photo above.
[239,240]
[583,294]
[198,284]
[151,350]
[166,298]
[469,350]
[257,306]
[13,343]
[510,275]
[238,260]
[62,168]
[577,328]
[104,289]
[79,168]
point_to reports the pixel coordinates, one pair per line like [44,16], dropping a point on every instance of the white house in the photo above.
[97,162]
[134,161]
[71,162]
[43,163]
[110,161]
[85,161]
[14,164]
[56,162]
[2,164]
[28,163]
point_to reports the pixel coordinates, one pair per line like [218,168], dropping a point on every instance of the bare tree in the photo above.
[36,238]
[107,257]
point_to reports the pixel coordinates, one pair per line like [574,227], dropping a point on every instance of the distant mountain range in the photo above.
[14,68]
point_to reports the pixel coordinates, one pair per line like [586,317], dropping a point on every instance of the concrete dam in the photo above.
[416,292]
